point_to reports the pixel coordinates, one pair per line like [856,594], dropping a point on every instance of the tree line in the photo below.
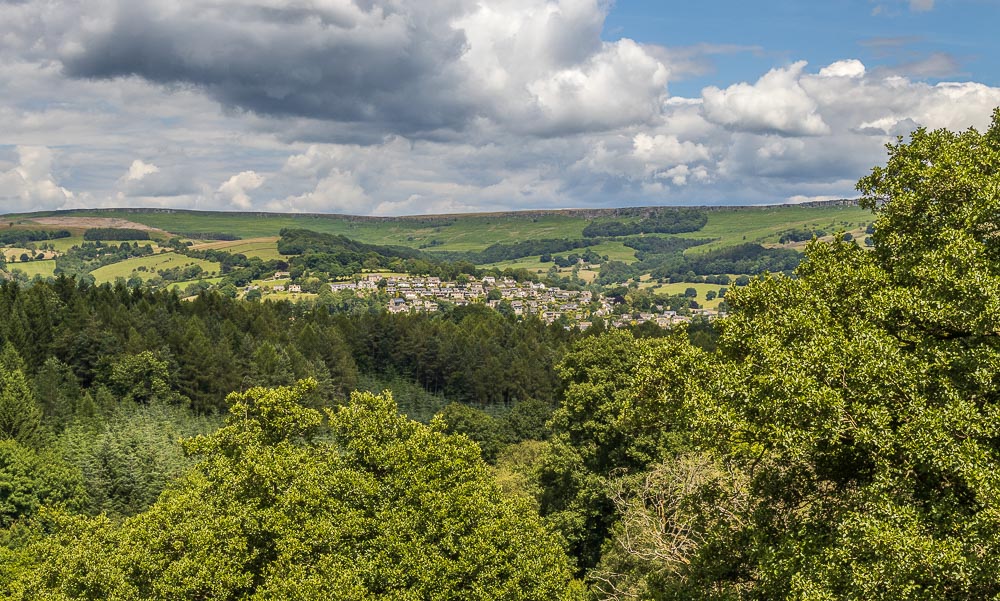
[114,234]
[19,237]
[665,221]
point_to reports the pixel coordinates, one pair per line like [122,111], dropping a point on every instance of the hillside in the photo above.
[679,258]
[460,231]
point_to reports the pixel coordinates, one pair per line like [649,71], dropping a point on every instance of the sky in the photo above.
[402,107]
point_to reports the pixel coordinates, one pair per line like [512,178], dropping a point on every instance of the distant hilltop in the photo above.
[586,213]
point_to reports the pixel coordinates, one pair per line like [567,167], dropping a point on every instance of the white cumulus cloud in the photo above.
[845,68]
[139,170]
[30,186]
[776,103]
[234,192]
[336,192]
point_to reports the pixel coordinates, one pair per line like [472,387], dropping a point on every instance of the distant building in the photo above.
[397,305]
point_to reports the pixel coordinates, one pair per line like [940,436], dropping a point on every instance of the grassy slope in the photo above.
[680,287]
[468,232]
[266,247]
[64,244]
[44,268]
[124,269]
[616,251]
[733,226]
[730,226]
[726,226]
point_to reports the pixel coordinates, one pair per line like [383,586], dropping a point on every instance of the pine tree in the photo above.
[20,416]
[57,391]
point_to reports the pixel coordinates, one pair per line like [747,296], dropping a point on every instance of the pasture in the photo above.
[265,248]
[44,268]
[151,263]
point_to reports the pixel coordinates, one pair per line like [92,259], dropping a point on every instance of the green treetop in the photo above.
[844,437]
[288,502]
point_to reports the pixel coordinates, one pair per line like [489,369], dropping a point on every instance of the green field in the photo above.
[736,225]
[264,248]
[478,232]
[615,251]
[266,285]
[532,264]
[44,268]
[129,267]
[681,287]
[13,254]
[64,244]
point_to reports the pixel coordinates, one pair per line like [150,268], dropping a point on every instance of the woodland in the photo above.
[837,436]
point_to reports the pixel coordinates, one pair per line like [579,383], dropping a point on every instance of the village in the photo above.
[415,294]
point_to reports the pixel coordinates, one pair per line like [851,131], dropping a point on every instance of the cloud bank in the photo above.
[406,106]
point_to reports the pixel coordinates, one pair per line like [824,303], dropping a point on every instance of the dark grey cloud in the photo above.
[364,62]
[427,68]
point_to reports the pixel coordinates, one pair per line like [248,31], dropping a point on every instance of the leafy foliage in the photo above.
[380,507]
[30,479]
[799,234]
[298,242]
[664,221]
[746,258]
[115,233]
[845,431]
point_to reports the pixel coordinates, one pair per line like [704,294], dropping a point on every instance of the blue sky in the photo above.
[885,34]
[435,106]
